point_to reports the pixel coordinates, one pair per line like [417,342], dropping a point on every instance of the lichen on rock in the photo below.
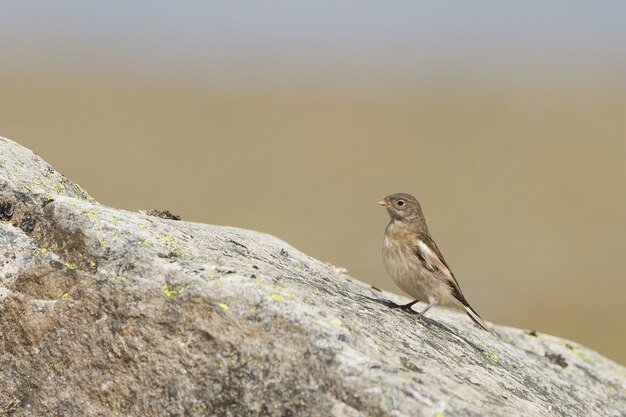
[107,312]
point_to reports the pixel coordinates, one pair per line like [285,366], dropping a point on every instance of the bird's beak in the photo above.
[383,203]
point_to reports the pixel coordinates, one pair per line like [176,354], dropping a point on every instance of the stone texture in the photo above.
[105,312]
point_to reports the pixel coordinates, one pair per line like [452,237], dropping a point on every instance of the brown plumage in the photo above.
[415,263]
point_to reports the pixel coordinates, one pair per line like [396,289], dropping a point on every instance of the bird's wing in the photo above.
[431,257]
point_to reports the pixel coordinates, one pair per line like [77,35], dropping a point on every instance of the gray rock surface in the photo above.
[105,312]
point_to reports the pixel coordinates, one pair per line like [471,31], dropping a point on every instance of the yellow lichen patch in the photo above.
[121,278]
[290,293]
[115,220]
[90,198]
[69,265]
[41,251]
[168,238]
[575,351]
[439,415]
[146,242]
[143,226]
[92,263]
[277,297]
[90,213]
[492,356]
[223,306]
[283,291]
[172,291]
[336,322]
[311,320]
[36,180]
[65,295]
[406,378]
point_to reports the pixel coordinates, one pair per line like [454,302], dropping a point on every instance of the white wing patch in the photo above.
[432,258]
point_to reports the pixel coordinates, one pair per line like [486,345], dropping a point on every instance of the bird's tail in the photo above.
[477,319]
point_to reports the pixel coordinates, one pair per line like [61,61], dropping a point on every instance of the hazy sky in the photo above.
[358,39]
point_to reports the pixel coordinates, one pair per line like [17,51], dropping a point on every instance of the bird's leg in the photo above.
[420,315]
[405,307]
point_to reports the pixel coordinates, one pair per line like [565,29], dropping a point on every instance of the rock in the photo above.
[105,312]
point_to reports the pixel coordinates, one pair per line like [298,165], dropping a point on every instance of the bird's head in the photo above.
[402,206]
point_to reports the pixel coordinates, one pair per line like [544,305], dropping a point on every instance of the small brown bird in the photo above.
[414,261]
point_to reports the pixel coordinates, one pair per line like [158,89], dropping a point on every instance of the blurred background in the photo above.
[507,120]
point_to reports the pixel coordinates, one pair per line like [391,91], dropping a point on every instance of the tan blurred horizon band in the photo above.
[524,188]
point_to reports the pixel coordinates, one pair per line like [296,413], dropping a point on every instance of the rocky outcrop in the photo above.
[105,312]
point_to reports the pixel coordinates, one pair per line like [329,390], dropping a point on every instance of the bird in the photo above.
[415,263]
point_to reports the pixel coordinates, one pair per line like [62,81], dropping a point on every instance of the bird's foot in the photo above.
[420,317]
[406,307]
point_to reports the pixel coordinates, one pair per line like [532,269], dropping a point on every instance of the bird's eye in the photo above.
[400,203]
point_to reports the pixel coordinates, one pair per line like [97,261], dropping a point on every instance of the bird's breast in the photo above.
[400,261]
[398,258]
[405,268]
